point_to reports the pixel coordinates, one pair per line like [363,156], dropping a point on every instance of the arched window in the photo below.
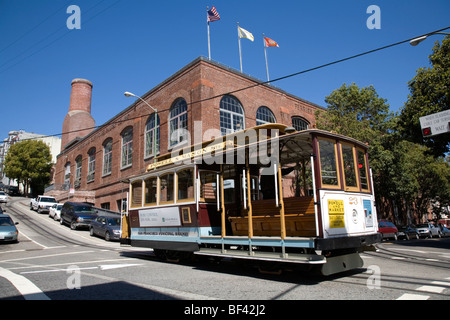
[127,147]
[78,162]
[299,123]
[67,176]
[178,122]
[150,136]
[264,115]
[107,156]
[91,164]
[231,115]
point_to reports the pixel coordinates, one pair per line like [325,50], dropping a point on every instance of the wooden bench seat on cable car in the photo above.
[299,218]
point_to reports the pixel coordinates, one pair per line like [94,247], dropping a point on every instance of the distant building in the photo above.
[54,144]
[94,163]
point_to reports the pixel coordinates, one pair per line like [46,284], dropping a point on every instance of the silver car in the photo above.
[8,230]
[55,211]
[3,197]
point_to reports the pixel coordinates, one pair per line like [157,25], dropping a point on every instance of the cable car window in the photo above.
[328,164]
[349,164]
[185,184]
[151,190]
[136,194]
[166,187]
[208,186]
[363,170]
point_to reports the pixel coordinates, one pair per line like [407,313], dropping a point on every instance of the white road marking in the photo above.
[39,244]
[432,289]
[117,266]
[26,288]
[47,256]
[411,296]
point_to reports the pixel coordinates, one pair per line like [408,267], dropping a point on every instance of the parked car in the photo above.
[77,214]
[388,229]
[428,230]
[3,197]
[445,232]
[106,227]
[55,211]
[8,230]
[12,190]
[42,203]
[407,232]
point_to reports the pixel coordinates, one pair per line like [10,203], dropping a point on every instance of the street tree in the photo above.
[419,182]
[429,93]
[362,114]
[30,163]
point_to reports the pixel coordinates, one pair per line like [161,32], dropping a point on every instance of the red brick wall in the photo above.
[196,82]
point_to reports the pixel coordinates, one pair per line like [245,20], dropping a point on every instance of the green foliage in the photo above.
[405,173]
[429,93]
[29,162]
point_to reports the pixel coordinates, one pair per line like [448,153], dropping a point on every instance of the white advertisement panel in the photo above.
[160,217]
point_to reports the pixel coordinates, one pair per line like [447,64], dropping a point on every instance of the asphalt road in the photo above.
[52,262]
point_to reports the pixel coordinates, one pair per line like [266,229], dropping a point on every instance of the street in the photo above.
[52,262]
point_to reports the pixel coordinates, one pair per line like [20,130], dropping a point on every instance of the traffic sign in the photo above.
[435,123]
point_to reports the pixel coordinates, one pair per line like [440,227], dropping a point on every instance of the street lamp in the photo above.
[129,94]
[416,41]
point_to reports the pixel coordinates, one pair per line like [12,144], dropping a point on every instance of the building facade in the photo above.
[94,164]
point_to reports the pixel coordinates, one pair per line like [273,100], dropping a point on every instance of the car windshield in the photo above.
[85,209]
[113,221]
[6,221]
[48,199]
[2,193]
[59,207]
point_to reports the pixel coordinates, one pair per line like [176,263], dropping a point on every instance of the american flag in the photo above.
[213,15]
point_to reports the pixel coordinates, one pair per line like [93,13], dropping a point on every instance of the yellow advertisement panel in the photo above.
[336,213]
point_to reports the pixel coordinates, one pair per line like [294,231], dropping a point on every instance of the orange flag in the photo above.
[270,42]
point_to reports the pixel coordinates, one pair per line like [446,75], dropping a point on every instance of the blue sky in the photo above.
[133,45]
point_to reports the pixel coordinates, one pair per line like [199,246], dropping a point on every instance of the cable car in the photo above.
[268,193]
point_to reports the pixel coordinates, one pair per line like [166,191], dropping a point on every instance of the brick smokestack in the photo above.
[78,121]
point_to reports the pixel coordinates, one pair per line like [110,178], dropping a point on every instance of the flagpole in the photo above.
[239,40]
[209,41]
[265,54]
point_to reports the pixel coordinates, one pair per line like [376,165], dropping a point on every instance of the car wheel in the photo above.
[55,217]
[91,231]
[73,225]
[417,237]
[107,236]
[61,221]
[407,236]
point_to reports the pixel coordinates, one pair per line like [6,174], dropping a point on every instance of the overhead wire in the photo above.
[258,83]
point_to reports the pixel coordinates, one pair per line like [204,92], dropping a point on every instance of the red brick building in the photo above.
[93,163]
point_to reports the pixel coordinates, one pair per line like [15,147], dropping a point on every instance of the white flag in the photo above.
[245,34]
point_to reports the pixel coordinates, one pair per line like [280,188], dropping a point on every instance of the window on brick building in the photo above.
[264,115]
[67,176]
[91,165]
[127,147]
[107,156]
[178,123]
[78,162]
[231,115]
[299,123]
[150,136]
